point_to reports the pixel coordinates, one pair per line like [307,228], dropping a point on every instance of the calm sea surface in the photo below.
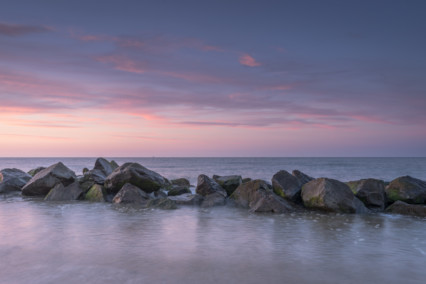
[81,242]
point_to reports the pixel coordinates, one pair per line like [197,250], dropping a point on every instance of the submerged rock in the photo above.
[12,180]
[62,193]
[259,197]
[400,207]
[331,195]
[130,194]
[229,183]
[96,193]
[136,174]
[35,171]
[45,180]
[217,198]
[178,190]
[370,191]
[206,186]
[187,199]
[162,203]
[181,182]
[407,189]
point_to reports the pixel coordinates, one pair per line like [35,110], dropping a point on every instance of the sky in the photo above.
[212,78]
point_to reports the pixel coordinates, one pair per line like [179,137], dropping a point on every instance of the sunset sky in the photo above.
[212,78]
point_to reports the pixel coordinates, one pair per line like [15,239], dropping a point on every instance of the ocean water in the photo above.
[82,242]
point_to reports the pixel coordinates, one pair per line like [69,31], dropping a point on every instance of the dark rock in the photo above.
[12,180]
[287,186]
[229,183]
[331,195]
[61,193]
[217,198]
[97,175]
[130,194]
[181,182]
[104,166]
[178,190]
[370,191]
[133,173]
[407,189]
[85,170]
[45,180]
[246,180]
[162,203]
[35,171]
[259,197]
[158,194]
[206,186]
[96,193]
[403,208]
[301,177]
[114,164]
[187,199]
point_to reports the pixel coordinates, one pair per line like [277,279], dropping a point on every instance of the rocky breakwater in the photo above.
[132,184]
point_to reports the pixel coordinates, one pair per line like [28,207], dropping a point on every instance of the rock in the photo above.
[246,180]
[403,208]
[162,203]
[96,194]
[133,173]
[206,186]
[287,186]
[130,194]
[331,195]
[178,190]
[45,180]
[12,180]
[217,198]
[407,189]
[97,175]
[301,177]
[104,166]
[259,197]
[158,194]
[114,164]
[61,193]
[370,191]
[181,182]
[35,171]
[85,170]
[229,183]
[187,199]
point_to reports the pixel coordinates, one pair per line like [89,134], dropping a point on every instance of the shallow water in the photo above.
[81,242]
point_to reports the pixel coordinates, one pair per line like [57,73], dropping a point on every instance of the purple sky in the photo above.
[212,78]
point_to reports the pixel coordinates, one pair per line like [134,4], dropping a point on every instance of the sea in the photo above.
[83,242]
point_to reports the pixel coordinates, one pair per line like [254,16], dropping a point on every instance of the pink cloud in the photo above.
[248,60]
[122,63]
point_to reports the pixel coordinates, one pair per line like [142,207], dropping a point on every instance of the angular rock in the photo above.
[259,197]
[217,198]
[136,174]
[45,180]
[97,175]
[229,183]
[12,180]
[187,199]
[68,193]
[35,171]
[331,195]
[407,189]
[301,177]
[162,203]
[96,193]
[130,194]
[206,186]
[104,166]
[400,207]
[178,190]
[370,191]
[114,164]
[287,186]
[181,182]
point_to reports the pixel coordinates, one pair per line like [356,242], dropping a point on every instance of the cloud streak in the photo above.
[13,30]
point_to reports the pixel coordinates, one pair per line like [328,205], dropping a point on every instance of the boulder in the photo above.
[136,174]
[246,180]
[35,171]
[259,197]
[130,194]
[162,203]
[370,191]
[85,170]
[206,186]
[178,190]
[217,198]
[45,180]
[181,182]
[187,199]
[287,186]
[96,193]
[62,193]
[407,189]
[12,180]
[97,175]
[104,166]
[301,177]
[229,183]
[331,195]
[400,207]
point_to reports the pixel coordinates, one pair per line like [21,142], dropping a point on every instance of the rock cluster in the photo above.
[133,184]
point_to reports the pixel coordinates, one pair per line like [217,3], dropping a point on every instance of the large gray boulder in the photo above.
[130,194]
[104,166]
[407,189]
[65,193]
[301,177]
[289,186]
[187,199]
[98,174]
[12,180]
[259,197]
[229,183]
[162,203]
[206,186]
[178,190]
[181,182]
[331,195]
[136,174]
[45,180]
[400,207]
[370,191]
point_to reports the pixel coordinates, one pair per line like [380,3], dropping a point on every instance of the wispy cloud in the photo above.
[248,60]
[21,30]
